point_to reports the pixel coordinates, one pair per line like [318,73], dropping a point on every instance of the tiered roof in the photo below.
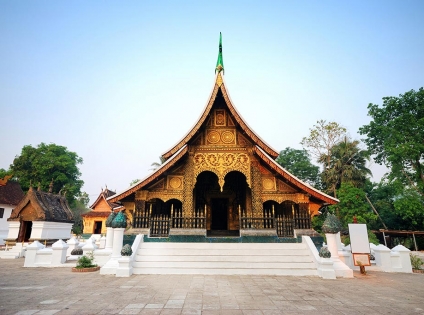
[265,152]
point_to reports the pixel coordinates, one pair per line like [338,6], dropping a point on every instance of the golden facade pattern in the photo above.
[221,137]
[175,182]
[221,164]
[279,197]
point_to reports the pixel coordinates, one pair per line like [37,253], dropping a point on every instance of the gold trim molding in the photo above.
[279,198]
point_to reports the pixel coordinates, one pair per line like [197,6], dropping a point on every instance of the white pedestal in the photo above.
[340,268]
[125,267]
[109,238]
[112,265]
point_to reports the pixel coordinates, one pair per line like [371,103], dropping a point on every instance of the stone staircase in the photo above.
[290,259]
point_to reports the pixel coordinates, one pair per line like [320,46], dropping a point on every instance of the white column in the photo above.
[341,269]
[109,238]
[118,240]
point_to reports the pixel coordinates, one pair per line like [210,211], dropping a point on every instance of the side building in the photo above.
[10,195]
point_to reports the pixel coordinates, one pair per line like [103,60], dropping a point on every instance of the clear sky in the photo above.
[120,82]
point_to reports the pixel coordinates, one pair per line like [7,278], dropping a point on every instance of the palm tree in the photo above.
[346,164]
[156,165]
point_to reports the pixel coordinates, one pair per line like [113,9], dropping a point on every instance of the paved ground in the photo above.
[59,291]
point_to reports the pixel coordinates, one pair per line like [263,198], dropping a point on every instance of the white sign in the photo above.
[359,243]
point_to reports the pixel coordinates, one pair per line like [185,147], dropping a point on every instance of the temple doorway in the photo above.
[25,231]
[219,208]
[97,227]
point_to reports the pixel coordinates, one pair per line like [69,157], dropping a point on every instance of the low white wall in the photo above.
[13,229]
[4,226]
[50,230]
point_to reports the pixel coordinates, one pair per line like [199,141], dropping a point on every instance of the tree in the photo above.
[395,136]
[156,165]
[46,162]
[298,163]
[323,136]
[4,172]
[352,204]
[80,207]
[346,163]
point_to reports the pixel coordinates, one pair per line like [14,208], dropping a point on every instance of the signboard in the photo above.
[359,244]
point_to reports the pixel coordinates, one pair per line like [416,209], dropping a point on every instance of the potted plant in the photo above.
[85,264]
[416,263]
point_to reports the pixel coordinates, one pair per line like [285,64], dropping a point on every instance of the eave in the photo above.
[150,178]
[220,84]
[293,179]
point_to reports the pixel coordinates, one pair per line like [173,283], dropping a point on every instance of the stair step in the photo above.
[228,271]
[201,258]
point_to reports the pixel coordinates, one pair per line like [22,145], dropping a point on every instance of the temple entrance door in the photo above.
[219,208]
[25,231]
[97,227]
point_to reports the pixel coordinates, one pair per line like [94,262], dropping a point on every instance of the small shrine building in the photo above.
[221,178]
[95,221]
[41,216]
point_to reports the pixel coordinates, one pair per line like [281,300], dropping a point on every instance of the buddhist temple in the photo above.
[40,216]
[221,178]
[95,221]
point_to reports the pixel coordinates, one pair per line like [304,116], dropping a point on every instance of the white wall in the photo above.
[4,226]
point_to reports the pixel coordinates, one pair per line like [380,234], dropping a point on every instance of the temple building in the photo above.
[41,216]
[221,178]
[95,221]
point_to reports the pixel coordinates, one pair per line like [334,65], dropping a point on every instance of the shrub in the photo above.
[76,251]
[416,261]
[126,250]
[86,261]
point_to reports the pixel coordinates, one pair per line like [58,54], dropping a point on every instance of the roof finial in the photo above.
[220,62]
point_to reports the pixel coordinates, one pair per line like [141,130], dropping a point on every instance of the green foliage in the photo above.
[126,250]
[346,163]
[134,181]
[45,162]
[4,172]
[79,207]
[324,252]
[298,163]
[352,204]
[322,137]
[395,136]
[331,224]
[317,222]
[76,229]
[416,261]
[156,165]
[409,207]
[86,261]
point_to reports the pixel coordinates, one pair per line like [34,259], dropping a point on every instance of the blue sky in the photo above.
[119,83]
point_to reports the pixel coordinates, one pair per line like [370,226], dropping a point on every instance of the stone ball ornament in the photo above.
[120,221]
[331,224]
[110,219]
[77,251]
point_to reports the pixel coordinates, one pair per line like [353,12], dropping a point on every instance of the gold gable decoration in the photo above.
[221,164]
[279,197]
[175,182]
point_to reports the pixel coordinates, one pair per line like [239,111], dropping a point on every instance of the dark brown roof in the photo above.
[48,207]
[11,193]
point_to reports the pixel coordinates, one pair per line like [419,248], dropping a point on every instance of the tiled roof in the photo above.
[97,214]
[11,193]
[48,207]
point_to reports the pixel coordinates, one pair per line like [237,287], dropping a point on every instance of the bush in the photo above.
[76,251]
[86,261]
[416,261]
